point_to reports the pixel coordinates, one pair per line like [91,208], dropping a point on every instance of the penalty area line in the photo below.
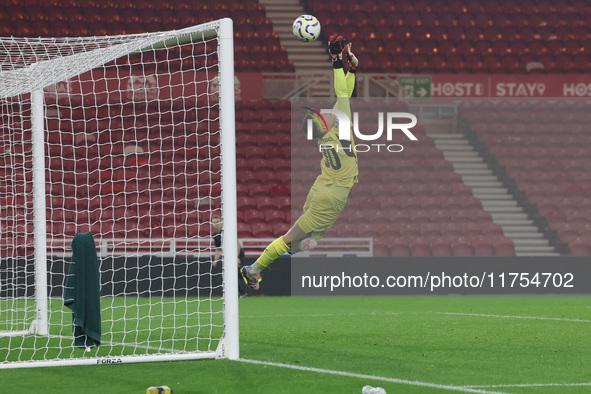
[463,389]
[512,317]
[490,386]
[320,315]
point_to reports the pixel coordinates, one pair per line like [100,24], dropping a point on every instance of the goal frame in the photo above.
[228,346]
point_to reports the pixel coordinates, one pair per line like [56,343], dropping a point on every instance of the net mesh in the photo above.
[132,154]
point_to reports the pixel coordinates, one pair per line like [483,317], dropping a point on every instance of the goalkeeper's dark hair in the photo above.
[316,131]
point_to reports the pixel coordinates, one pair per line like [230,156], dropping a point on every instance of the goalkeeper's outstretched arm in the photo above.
[335,48]
[353,63]
[343,84]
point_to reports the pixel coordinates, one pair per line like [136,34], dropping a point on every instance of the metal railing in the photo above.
[327,247]
[204,247]
[319,84]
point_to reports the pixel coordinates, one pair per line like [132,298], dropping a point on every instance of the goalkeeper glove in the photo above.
[353,61]
[335,48]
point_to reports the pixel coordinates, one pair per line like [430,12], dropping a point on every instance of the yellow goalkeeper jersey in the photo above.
[339,160]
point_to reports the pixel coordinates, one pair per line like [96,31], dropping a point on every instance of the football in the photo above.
[306,28]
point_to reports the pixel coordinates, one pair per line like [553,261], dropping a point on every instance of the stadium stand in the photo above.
[400,37]
[541,150]
[463,36]
[435,213]
[253,30]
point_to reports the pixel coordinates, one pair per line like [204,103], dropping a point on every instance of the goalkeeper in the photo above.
[328,194]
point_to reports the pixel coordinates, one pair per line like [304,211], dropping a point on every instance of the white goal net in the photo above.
[130,138]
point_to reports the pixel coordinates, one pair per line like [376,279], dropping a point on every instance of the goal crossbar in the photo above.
[42,73]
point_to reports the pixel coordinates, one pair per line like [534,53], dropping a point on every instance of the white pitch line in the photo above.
[463,389]
[513,317]
[531,385]
[322,315]
[434,313]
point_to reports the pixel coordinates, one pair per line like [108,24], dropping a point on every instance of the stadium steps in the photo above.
[307,58]
[495,197]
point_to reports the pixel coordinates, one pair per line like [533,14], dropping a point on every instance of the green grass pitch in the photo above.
[338,345]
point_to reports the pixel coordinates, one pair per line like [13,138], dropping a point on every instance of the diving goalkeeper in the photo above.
[328,195]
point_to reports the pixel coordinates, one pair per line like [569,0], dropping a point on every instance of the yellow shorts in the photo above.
[322,207]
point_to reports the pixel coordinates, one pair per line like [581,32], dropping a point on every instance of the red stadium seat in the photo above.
[262,230]
[263,203]
[420,216]
[397,217]
[381,251]
[403,229]
[471,229]
[440,247]
[378,217]
[357,216]
[258,190]
[346,230]
[409,204]
[419,246]
[368,230]
[585,229]
[580,246]
[283,202]
[398,247]
[280,191]
[244,230]
[429,203]
[503,246]
[482,246]
[275,216]
[441,215]
[429,229]
[253,216]
[566,231]
[461,246]
[449,229]
[491,229]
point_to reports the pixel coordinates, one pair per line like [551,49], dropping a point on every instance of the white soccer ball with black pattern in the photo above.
[306,28]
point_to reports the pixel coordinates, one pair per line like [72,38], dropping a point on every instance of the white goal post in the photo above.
[132,139]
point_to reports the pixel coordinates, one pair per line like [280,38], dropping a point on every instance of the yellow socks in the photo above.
[270,254]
